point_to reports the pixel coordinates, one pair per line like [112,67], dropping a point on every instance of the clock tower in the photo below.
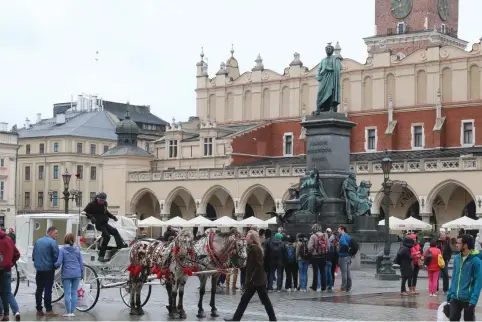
[404,26]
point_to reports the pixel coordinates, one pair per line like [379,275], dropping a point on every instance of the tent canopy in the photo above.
[393,221]
[413,223]
[272,221]
[201,221]
[178,222]
[253,221]
[225,221]
[152,222]
[463,222]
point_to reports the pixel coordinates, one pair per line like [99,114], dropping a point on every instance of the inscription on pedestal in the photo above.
[318,150]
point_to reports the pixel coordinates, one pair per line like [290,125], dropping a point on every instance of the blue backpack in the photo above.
[291,253]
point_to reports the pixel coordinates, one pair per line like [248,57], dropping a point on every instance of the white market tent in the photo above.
[463,222]
[272,221]
[394,222]
[412,223]
[253,221]
[151,222]
[178,222]
[201,221]
[225,221]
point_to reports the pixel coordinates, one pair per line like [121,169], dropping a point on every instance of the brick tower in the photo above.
[404,26]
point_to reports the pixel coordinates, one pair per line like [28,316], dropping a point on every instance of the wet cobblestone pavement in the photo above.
[370,299]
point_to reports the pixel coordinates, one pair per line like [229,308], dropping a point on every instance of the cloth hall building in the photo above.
[417,95]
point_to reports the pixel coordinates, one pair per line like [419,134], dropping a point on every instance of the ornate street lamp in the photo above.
[72,195]
[386,271]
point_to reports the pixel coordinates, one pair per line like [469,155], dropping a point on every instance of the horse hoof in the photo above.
[201,314]
[214,313]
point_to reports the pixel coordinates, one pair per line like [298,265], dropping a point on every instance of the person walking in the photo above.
[416,254]
[9,256]
[291,265]
[344,259]
[255,279]
[433,267]
[44,255]
[276,259]
[318,248]
[72,271]
[466,284]
[97,212]
[303,257]
[405,260]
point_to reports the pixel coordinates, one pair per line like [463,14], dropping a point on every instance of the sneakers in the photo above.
[68,315]
[17,316]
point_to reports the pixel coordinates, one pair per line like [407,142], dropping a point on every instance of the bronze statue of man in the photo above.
[328,76]
[312,193]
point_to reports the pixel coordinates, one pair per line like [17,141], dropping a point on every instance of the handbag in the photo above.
[441,262]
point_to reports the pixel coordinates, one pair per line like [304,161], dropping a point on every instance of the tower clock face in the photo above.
[444,9]
[401,8]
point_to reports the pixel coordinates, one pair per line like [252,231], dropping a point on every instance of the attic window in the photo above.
[401,28]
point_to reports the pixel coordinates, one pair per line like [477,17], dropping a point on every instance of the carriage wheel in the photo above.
[126,295]
[57,288]
[89,289]
[15,280]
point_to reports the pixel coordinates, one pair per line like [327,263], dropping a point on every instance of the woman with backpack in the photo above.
[291,265]
[431,261]
[303,259]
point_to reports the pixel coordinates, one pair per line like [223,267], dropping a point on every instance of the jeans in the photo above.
[291,275]
[344,263]
[403,288]
[70,293]
[246,298]
[456,308]
[107,230]
[276,268]
[444,272]
[44,281]
[319,263]
[7,293]
[334,263]
[329,278]
[303,271]
[432,281]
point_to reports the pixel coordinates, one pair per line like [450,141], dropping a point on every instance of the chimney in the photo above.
[39,117]
[27,123]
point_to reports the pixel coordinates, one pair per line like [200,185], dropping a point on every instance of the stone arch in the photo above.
[399,199]
[180,202]
[451,199]
[145,202]
[259,198]
[219,199]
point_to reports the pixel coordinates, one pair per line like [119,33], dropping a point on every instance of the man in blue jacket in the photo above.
[344,259]
[466,283]
[44,256]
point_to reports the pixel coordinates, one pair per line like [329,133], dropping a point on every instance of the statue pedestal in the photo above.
[366,224]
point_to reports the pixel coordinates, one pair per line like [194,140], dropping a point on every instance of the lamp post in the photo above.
[72,195]
[386,271]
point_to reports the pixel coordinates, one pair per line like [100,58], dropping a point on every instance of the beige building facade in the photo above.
[8,172]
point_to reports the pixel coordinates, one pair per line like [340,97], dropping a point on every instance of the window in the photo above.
[208,147]
[401,28]
[92,149]
[106,148]
[27,173]
[467,133]
[444,29]
[56,171]
[79,147]
[27,149]
[93,195]
[40,199]
[26,203]
[56,147]
[288,144]
[371,139]
[2,162]
[80,170]
[55,199]
[418,136]
[147,147]
[93,173]
[78,199]
[41,172]
[173,148]
[2,189]
[41,148]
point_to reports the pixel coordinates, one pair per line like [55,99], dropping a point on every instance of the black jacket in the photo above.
[255,274]
[404,258]
[444,246]
[169,233]
[98,212]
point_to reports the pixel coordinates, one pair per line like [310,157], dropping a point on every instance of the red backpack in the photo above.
[322,244]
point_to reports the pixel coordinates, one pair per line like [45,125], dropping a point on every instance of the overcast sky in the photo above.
[148,49]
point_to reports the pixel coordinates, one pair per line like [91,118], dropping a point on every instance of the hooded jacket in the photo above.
[404,258]
[71,261]
[9,252]
[466,278]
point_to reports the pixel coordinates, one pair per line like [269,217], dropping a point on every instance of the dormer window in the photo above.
[172,149]
[401,28]
[208,147]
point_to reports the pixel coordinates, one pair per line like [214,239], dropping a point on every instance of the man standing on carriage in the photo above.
[97,212]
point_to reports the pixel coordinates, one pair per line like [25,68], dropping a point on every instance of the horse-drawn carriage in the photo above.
[210,255]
